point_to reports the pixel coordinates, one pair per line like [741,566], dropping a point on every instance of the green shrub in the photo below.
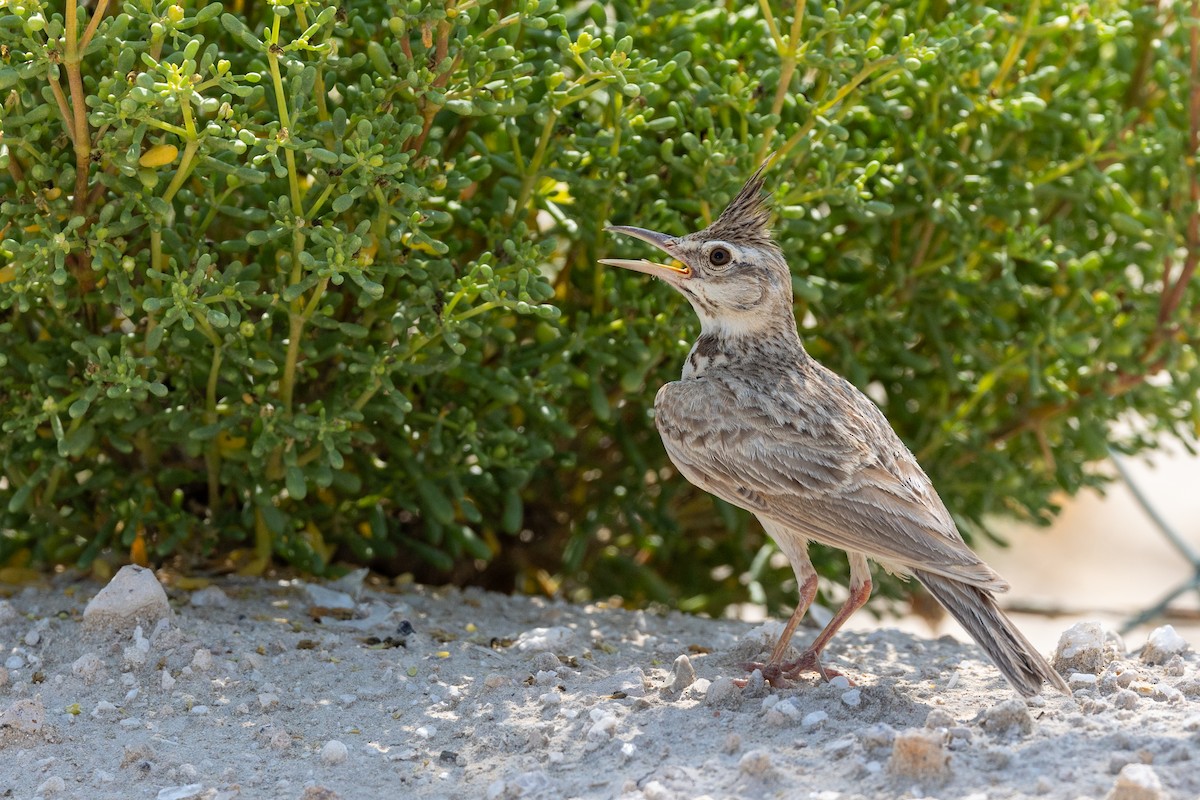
[322,278]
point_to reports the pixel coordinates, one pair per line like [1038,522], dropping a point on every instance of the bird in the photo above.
[758,422]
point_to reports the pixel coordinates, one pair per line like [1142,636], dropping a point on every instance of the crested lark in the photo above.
[758,422]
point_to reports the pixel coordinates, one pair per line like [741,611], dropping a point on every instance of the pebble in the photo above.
[1136,782]
[202,660]
[919,754]
[722,692]
[852,698]
[1080,648]
[14,662]
[168,682]
[604,725]
[334,752]
[32,638]
[813,720]
[1125,698]
[756,763]
[191,791]
[1008,716]
[209,597]
[52,785]
[25,717]
[1162,644]
[328,598]
[550,699]
[7,612]
[549,639]
[839,682]
[683,674]
[102,708]
[133,596]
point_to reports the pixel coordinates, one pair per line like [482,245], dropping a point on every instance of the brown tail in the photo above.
[976,610]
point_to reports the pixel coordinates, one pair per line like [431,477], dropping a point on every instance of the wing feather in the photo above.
[815,456]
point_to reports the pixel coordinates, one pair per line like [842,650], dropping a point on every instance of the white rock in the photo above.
[88,667]
[722,692]
[550,699]
[550,639]
[52,785]
[328,598]
[1136,782]
[14,662]
[853,698]
[133,596]
[334,752]
[1080,648]
[1081,680]
[168,682]
[426,731]
[26,716]
[202,660]
[604,725]
[268,700]
[192,791]
[756,763]
[813,720]
[209,597]
[683,674]
[102,708]
[32,637]
[839,682]
[200,710]
[1163,643]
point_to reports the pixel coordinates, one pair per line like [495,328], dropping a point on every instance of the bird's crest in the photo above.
[745,218]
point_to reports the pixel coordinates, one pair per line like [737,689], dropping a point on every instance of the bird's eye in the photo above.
[719,257]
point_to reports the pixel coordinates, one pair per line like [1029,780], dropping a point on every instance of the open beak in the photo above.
[659,240]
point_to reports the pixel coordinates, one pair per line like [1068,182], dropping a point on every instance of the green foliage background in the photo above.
[320,279]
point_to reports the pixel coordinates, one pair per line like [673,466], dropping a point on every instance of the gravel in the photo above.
[276,689]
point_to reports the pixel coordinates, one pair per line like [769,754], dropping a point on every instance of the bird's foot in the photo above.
[809,661]
[772,674]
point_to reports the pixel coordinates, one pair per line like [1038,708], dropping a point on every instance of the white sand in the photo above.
[253,698]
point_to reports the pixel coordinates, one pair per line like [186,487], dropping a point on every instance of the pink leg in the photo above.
[860,590]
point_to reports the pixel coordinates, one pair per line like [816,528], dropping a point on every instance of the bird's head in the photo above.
[732,272]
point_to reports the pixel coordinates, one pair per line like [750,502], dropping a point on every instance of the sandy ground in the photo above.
[257,689]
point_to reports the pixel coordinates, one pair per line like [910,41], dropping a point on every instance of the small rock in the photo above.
[202,660]
[334,752]
[133,596]
[192,791]
[1082,680]
[103,708]
[1086,647]
[14,662]
[1162,644]
[722,692]
[168,682]
[549,639]
[268,700]
[209,597]
[1125,698]
[683,674]
[7,612]
[319,793]
[755,763]
[23,718]
[494,680]
[604,725]
[1136,782]
[852,698]
[938,718]
[877,737]
[919,755]
[813,720]
[324,598]
[839,682]
[34,636]
[1008,716]
[732,744]
[550,700]
[52,785]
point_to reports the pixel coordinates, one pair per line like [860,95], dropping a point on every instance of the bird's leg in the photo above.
[796,551]
[860,590]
